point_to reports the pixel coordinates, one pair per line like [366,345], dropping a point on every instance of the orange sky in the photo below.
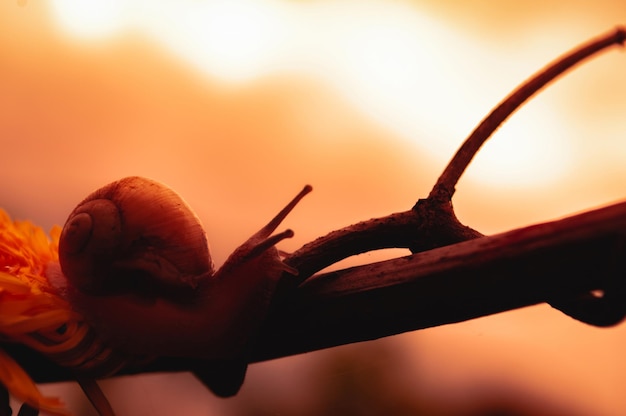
[370,126]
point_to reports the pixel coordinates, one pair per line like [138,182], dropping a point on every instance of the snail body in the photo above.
[135,262]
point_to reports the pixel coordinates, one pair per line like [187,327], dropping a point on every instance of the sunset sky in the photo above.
[237,105]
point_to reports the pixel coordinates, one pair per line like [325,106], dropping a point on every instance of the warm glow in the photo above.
[379,56]
[90,19]
[237,104]
[529,151]
[232,41]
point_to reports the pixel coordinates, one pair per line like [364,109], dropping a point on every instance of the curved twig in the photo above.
[424,227]
[432,223]
[553,261]
[444,188]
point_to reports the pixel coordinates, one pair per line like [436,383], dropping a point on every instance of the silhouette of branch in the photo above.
[540,263]
[431,222]
[530,265]
[444,188]
[576,264]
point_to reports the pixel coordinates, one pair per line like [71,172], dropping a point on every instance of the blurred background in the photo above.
[237,104]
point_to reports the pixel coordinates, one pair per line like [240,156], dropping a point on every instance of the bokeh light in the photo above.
[237,104]
[379,56]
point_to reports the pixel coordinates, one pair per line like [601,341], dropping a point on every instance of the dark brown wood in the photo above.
[577,264]
[450,284]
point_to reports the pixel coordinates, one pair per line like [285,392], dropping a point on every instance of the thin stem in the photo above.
[432,223]
[428,225]
[444,188]
[396,230]
[96,396]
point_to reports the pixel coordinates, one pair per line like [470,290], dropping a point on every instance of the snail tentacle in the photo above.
[136,264]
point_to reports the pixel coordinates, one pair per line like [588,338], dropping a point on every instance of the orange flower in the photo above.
[30,311]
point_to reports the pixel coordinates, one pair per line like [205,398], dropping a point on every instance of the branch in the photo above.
[431,222]
[576,264]
[444,188]
[450,284]
[527,266]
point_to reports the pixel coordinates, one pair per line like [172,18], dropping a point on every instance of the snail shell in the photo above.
[136,265]
[130,230]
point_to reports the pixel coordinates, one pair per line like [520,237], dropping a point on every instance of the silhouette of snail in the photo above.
[138,268]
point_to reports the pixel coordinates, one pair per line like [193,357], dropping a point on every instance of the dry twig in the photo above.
[457,274]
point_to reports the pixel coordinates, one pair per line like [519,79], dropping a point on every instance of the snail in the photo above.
[135,263]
